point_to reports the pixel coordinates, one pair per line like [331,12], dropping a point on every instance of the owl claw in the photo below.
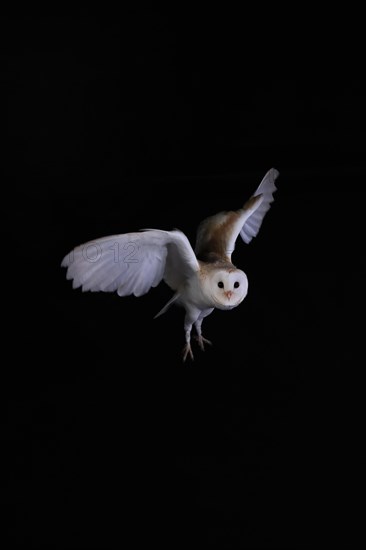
[202,341]
[187,350]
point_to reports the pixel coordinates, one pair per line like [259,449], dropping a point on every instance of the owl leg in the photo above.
[200,339]
[198,324]
[187,350]
[191,317]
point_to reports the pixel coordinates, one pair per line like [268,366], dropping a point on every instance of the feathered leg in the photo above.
[198,326]
[190,318]
[187,350]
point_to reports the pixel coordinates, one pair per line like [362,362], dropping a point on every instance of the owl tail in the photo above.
[167,306]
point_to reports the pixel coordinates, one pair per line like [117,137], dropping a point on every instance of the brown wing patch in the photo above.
[216,235]
[251,202]
[213,235]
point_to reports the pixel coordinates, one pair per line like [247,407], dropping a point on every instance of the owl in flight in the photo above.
[203,278]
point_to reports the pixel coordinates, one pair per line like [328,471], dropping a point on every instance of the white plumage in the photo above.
[203,279]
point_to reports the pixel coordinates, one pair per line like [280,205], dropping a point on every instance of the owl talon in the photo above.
[187,350]
[202,341]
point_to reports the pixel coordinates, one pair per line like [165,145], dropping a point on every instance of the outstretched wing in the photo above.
[132,263]
[216,236]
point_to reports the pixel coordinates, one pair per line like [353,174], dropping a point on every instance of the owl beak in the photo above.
[228,294]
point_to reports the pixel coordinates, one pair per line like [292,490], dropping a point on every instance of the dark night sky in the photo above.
[114,125]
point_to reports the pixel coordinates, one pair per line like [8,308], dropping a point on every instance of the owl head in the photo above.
[227,287]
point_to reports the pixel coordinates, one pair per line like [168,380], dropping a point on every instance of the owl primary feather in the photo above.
[203,278]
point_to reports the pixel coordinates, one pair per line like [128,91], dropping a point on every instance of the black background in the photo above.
[114,124]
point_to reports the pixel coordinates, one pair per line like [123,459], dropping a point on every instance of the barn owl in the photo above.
[203,278]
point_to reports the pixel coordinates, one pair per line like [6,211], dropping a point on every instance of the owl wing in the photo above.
[132,263]
[216,236]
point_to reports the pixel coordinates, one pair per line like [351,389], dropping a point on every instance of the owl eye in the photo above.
[220,284]
[236,284]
